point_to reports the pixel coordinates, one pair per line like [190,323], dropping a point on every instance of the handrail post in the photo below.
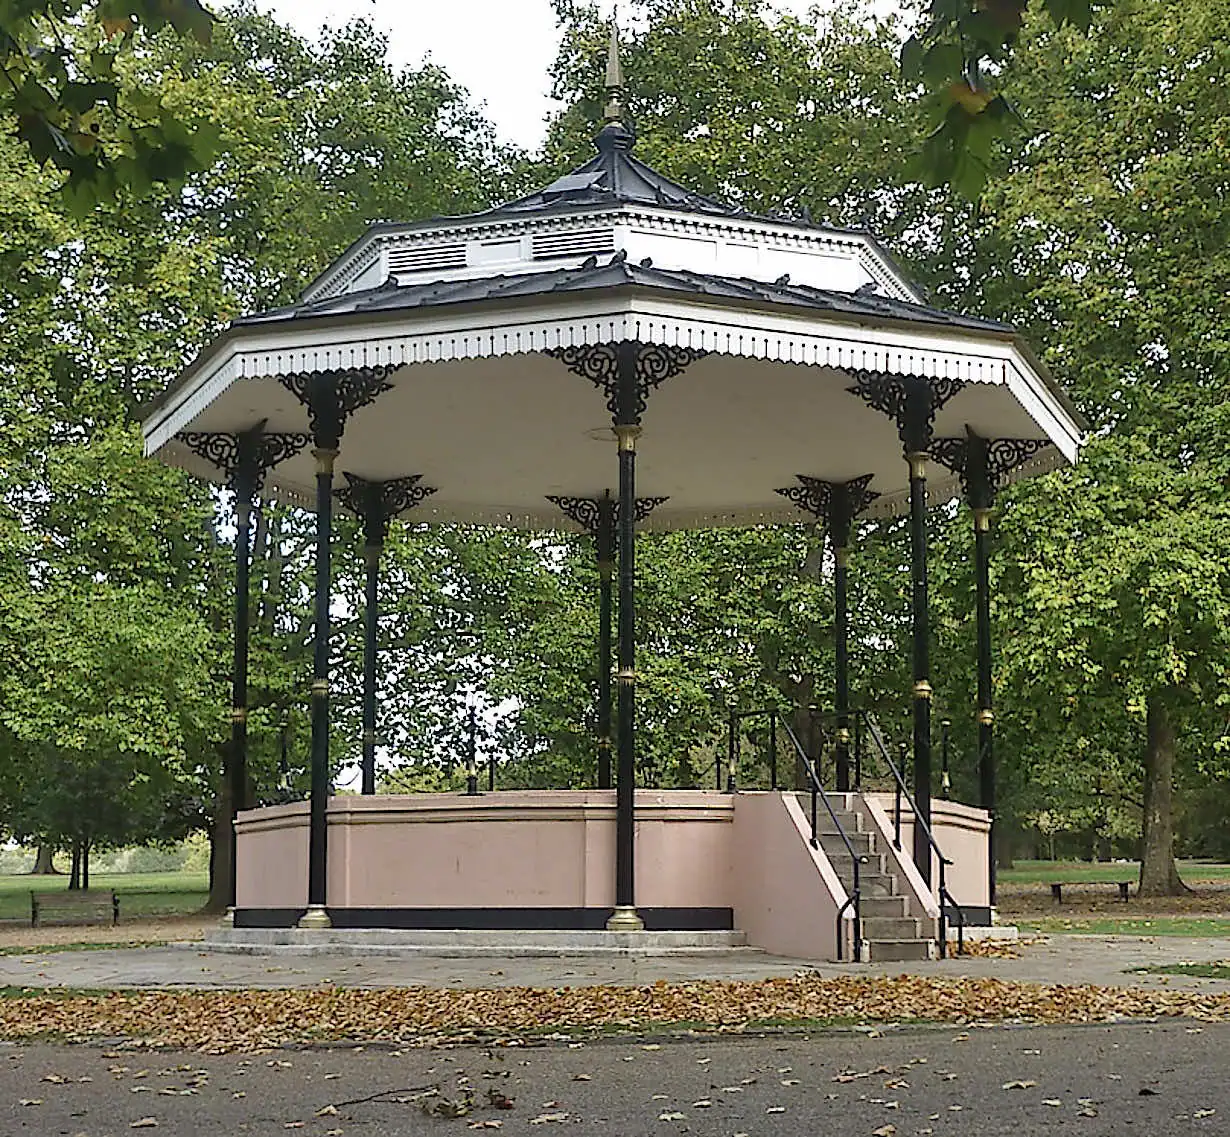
[897,801]
[815,840]
[858,752]
[943,918]
[472,755]
[732,757]
[773,748]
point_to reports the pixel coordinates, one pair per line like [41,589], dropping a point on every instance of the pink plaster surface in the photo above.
[963,833]
[786,893]
[514,849]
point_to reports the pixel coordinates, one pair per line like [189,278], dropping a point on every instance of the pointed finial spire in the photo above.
[614,78]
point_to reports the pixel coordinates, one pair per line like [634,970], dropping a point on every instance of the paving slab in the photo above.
[1102,960]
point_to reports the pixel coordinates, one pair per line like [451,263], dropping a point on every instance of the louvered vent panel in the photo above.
[427,257]
[582,244]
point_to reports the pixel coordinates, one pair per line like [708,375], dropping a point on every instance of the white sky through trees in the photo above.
[499,50]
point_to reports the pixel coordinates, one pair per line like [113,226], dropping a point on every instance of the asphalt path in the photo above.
[1155,1079]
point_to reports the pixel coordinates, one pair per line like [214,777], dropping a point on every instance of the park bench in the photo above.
[1057,887]
[75,907]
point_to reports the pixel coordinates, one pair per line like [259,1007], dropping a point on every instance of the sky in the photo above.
[499,50]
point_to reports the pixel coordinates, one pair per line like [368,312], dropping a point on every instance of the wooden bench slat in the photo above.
[102,905]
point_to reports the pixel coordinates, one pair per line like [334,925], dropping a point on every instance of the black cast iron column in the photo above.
[245,458]
[980,495]
[604,541]
[245,493]
[982,465]
[837,504]
[918,418]
[330,398]
[626,372]
[375,504]
[627,431]
[913,403]
[325,454]
[839,534]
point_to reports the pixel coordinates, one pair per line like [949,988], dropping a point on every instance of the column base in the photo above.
[228,919]
[625,919]
[316,916]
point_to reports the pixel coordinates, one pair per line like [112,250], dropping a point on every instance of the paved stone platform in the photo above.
[1102,960]
[467,944]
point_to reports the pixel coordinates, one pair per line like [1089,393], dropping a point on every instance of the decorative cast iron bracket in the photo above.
[587,511]
[912,403]
[331,397]
[984,464]
[245,458]
[377,503]
[819,498]
[605,364]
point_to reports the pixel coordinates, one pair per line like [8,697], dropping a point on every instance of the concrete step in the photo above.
[885,906]
[891,927]
[863,843]
[467,944]
[871,885]
[881,951]
[869,864]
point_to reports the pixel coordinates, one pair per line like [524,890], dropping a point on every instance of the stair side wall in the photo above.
[786,895]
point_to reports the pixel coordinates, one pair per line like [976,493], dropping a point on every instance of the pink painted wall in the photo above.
[515,849]
[963,832]
[786,894]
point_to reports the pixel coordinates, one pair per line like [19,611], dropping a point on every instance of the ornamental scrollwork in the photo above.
[821,499]
[897,398]
[652,364]
[377,503]
[982,464]
[246,457]
[587,511]
[331,397]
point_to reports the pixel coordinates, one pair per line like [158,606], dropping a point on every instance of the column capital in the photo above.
[834,504]
[244,457]
[626,371]
[376,503]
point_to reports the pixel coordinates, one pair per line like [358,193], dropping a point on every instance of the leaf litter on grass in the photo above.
[224,1021]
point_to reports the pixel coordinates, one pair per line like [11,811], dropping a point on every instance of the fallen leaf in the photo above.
[884,1131]
[704,1103]
[1051,1101]
[145,1123]
[545,1118]
[1204,1113]
[326,1111]
[31,1101]
[1018,1085]
[776,1109]
[673,1116]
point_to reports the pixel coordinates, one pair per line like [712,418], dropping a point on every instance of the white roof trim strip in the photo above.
[806,339]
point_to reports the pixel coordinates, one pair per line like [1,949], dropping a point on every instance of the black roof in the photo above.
[612,177]
[618,272]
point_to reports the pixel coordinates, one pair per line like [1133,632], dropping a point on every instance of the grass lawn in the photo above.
[1048,872]
[1204,926]
[141,894]
[1197,970]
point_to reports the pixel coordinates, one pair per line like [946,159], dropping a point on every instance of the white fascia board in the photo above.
[442,335]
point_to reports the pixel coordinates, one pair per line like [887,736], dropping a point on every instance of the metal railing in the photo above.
[734,748]
[853,900]
[900,793]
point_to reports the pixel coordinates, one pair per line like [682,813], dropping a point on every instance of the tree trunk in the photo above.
[221,834]
[1159,876]
[43,862]
[85,865]
[74,878]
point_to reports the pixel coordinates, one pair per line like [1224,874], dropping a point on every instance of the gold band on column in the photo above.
[239,714]
[626,677]
[986,716]
[625,919]
[843,735]
[841,554]
[606,569]
[626,435]
[922,689]
[324,460]
[918,463]
[982,520]
[320,688]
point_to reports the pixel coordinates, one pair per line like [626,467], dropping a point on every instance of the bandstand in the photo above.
[722,369]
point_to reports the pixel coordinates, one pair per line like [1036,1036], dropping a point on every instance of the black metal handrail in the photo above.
[855,897]
[734,746]
[873,731]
